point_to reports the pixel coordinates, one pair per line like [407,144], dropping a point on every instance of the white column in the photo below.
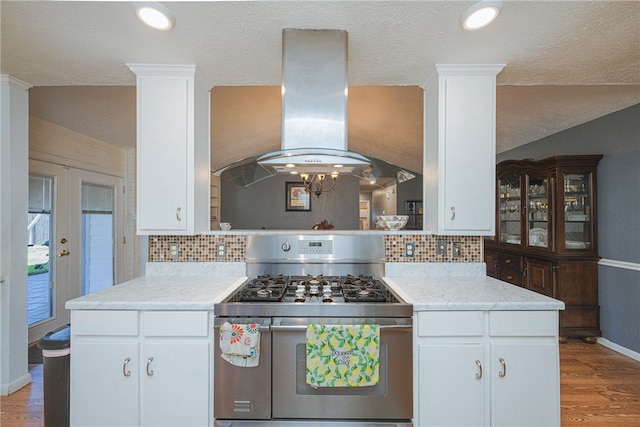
[14,180]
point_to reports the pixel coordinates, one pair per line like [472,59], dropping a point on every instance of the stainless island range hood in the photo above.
[314,106]
[314,115]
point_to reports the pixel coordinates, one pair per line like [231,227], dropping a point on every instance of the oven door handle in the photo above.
[262,328]
[407,328]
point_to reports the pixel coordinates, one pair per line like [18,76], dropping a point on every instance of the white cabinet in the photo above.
[487,368]
[140,368]
[172,149]
[459,155]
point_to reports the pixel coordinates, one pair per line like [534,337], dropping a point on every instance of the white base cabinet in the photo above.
[493,368]
[131,368]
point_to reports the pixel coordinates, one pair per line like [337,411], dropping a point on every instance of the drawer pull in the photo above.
[507,261]
[125,371]
[149,370]
[503,369]
[479,374]
[509,277]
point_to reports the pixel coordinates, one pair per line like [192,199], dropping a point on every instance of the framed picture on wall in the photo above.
[298,198]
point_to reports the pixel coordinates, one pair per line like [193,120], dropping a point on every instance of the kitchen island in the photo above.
[485,352]
[141,351]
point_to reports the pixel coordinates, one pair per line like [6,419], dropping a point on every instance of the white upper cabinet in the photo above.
[460,149]
[172,149]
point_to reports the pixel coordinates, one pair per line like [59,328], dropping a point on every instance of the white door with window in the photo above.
[75,240]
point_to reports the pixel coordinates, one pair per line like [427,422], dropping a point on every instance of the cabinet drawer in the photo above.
[176,323]
[523,323]
[513,262]
[450,323]
[511,276]
[104,322]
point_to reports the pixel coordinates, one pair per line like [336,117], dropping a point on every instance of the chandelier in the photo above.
[317,183]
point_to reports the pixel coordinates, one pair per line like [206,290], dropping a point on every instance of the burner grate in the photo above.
[265,289]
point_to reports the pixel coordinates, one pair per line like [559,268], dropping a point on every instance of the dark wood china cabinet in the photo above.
[546,235]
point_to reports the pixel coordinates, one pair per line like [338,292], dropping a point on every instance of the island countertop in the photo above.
[455,293]
[160,293]
[178,292]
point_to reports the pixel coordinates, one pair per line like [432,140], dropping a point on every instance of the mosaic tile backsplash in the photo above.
[205,248]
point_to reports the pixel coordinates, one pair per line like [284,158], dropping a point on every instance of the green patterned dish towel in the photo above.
[343,355]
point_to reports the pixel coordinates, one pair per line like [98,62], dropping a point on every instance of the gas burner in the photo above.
[264,289]
[363,289]
[264,292]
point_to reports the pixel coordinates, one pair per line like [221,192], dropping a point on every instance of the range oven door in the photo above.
[242,392]
[390,399]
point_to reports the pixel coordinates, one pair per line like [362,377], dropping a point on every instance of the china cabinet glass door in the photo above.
[510,209]
[577,207]
[538,212]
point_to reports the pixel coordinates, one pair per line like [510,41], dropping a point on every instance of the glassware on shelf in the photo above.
[577,189]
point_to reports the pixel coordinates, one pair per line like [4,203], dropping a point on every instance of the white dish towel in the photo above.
[240,344]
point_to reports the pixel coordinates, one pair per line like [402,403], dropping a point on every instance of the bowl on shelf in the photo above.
[391,222]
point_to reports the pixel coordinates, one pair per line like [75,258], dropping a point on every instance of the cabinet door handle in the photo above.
[503,369]
[453,213]
[479,374]
[125,371]
[149,370]
[178,217]
[507,261]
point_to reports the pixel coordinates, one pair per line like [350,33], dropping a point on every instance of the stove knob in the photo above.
[286,247]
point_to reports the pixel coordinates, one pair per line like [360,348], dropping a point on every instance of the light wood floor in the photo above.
[598,387]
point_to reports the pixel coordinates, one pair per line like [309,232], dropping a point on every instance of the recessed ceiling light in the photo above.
[154,15]
[481,14]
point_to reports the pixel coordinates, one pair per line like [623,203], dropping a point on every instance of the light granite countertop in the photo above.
[468,293]
[201,292]
[160,293]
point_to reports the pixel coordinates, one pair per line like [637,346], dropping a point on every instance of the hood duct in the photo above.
[314,115]
[314,106]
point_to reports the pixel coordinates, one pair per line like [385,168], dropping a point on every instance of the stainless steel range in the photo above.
[301,280]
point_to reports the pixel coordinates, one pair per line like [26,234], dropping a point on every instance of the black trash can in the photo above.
[56,355]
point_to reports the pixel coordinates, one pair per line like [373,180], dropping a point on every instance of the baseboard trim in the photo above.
[620,349]
[7,389]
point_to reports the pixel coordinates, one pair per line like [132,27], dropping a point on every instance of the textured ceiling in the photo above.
[568,62]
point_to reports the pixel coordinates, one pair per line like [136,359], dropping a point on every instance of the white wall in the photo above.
[14,173]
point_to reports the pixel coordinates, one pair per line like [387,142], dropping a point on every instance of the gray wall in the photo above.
[617,137]
[409,190]
[262,205]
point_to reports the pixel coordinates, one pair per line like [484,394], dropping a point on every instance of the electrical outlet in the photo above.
[441,247]
[456,250]
[221,248]
[409,249]
[174,250]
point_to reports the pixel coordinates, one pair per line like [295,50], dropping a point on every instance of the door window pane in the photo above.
[39,298]
[97,237]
